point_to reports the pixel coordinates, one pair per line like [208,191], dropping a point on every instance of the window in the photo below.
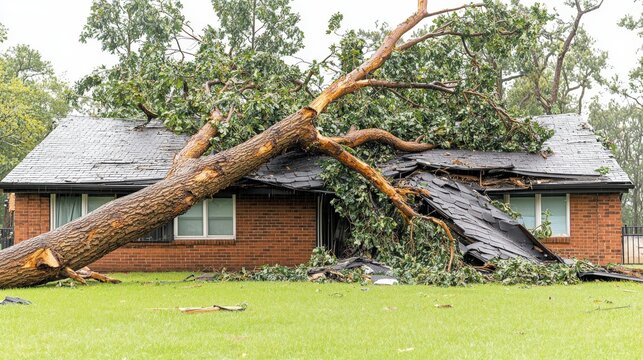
[533,210]
[66,208]
[208,219]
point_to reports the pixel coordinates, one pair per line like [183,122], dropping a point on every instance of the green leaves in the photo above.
[30,99]
[259,25]
[334,23]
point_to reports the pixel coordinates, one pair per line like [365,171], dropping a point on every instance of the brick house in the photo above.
[281,212]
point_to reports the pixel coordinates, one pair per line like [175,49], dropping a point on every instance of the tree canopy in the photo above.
[447,84]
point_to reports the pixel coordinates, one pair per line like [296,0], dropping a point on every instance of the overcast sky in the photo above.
[53,27]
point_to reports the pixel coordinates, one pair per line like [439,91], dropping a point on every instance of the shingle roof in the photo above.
[84,150]
[485,231]
[95,150]
[577,154]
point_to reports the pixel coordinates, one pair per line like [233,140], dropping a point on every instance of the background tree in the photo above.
[31,97]
[622,128]
[553,73]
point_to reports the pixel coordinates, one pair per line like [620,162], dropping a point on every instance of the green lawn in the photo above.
[314,321]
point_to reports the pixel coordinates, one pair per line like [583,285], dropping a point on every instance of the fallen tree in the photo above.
[195,175]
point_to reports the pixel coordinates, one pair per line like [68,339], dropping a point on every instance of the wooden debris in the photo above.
[73,275]
[213,308]
[87,273]
[443,306]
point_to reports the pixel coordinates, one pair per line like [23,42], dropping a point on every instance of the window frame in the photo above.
[538,204]
[52,207]
[205,235]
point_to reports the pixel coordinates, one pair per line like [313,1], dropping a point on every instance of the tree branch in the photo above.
[355,138]
[397,196]
[435,85]
[199,143]
[565,48]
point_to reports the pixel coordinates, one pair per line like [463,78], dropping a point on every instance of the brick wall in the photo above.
[595,232]
[282,229]
[270,230]
[31,216]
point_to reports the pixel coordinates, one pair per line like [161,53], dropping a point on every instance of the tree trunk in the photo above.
[81,242]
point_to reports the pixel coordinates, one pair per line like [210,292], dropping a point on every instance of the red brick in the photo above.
[270,230]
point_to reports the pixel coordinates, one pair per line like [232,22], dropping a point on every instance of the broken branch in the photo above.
[402,85]
[355,138]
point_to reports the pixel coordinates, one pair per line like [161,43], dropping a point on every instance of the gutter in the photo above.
[565,188]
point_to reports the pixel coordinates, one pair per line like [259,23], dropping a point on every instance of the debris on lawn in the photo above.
[604,275]
[85,273]
[10,300]
[213,308]
[443,306]
[343,270]
[384,280]
[202,277]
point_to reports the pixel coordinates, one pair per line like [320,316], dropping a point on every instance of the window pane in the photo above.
[557,206]
[220,216]
[191,223]
[94,202]
[68,208]
[526,206]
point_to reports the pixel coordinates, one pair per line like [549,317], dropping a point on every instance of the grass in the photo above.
[315,321]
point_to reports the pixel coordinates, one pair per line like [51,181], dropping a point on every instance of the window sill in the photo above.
[558,240]
[203,241]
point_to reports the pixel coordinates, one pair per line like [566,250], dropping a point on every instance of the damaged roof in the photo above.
[87,152]
[91,153]
[577,159]
[485,231]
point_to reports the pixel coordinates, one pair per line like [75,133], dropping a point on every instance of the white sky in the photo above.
[53,27]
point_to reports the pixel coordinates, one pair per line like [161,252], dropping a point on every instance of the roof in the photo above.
[486,232]
[88,150]
[576,156]
[94,153]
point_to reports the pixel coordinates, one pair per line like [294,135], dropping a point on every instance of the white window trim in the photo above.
[205,226]
[537,201]
[52,208]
